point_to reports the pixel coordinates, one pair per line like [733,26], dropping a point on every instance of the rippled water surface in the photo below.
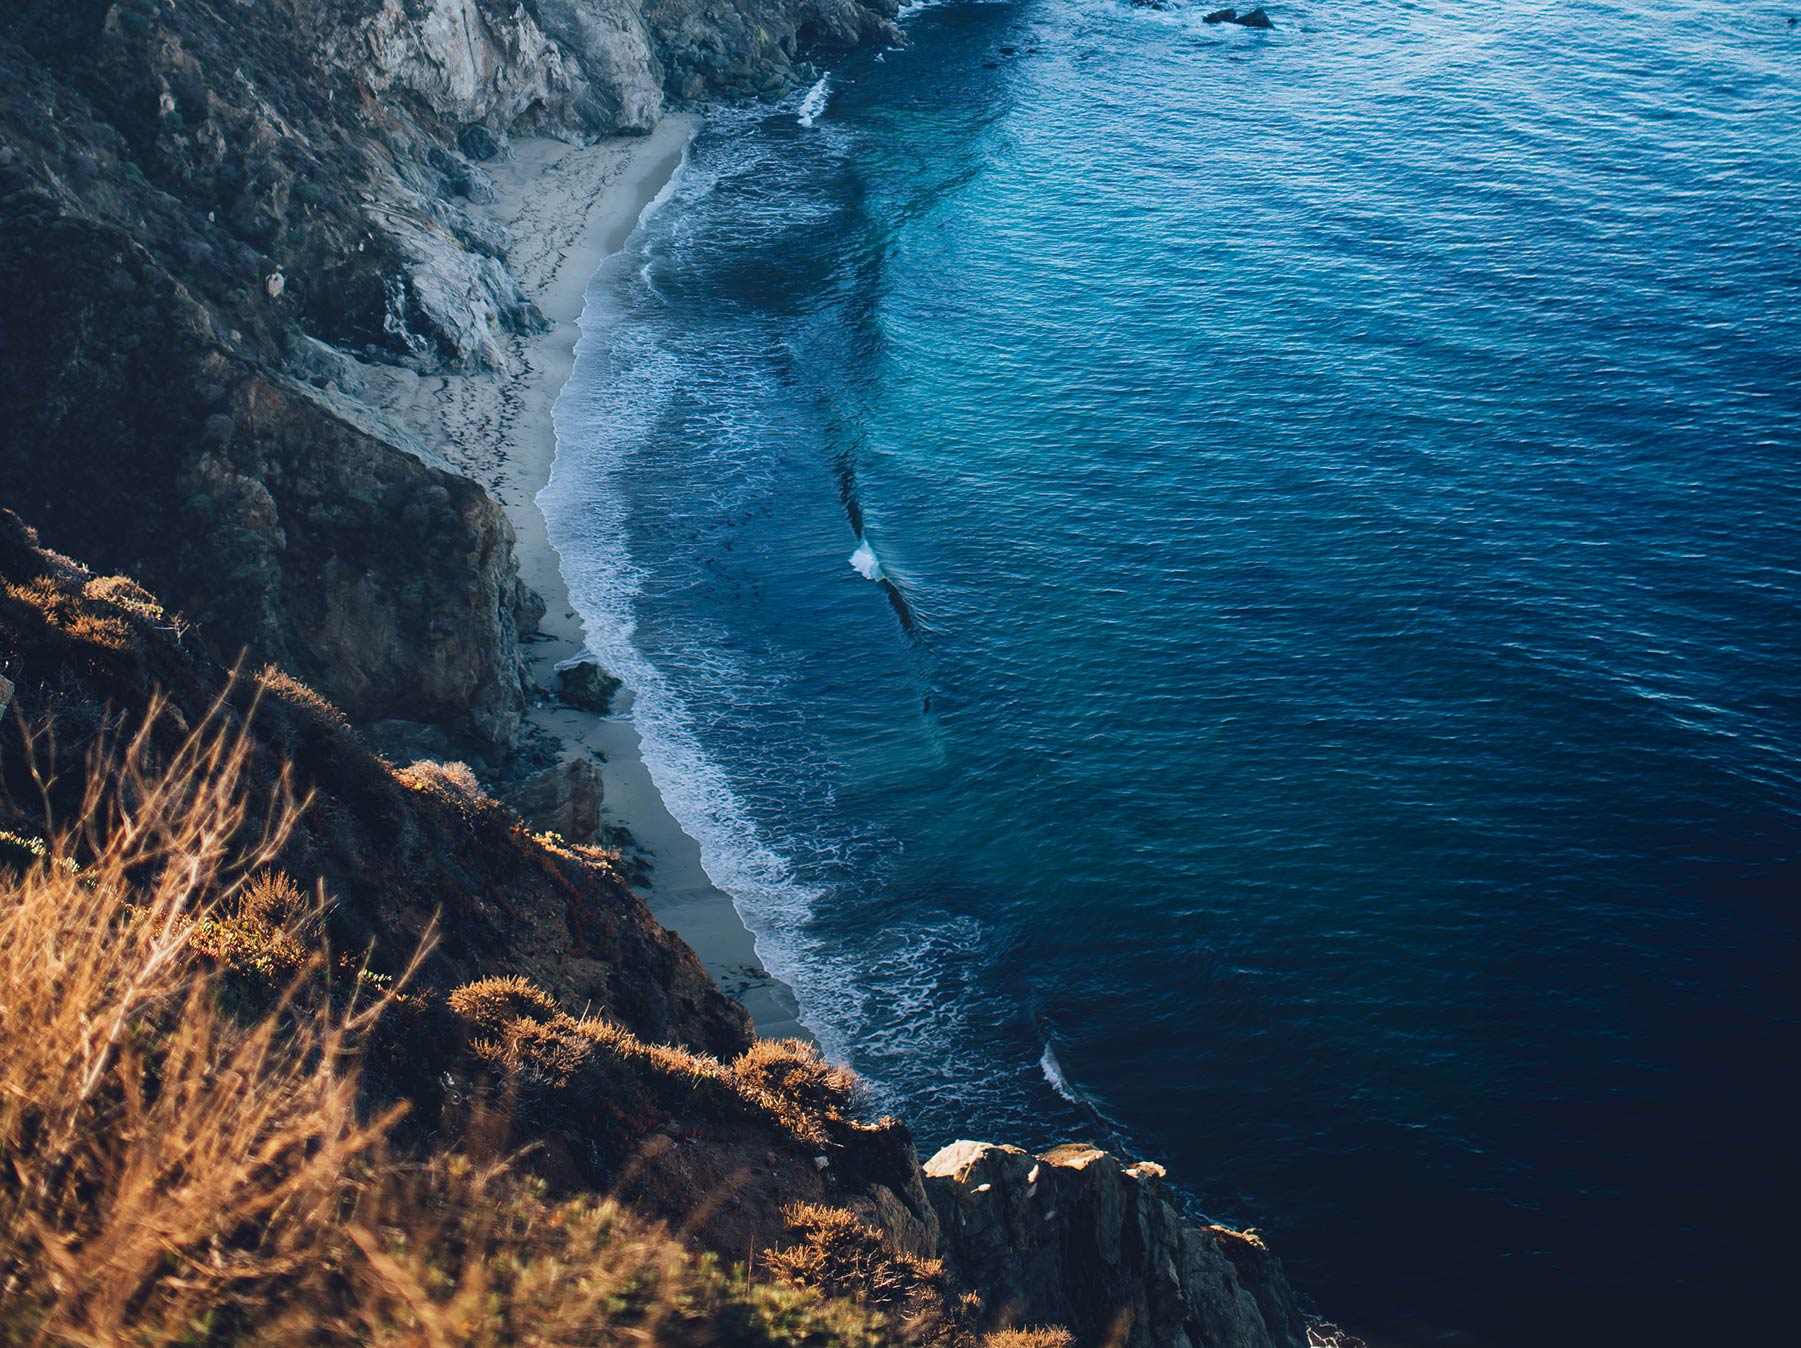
[1237,593]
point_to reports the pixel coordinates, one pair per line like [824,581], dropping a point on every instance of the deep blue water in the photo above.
[1331,700]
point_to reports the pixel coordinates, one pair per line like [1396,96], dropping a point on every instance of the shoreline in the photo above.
[567,208]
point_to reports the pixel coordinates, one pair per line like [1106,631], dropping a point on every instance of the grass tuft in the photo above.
[454,782]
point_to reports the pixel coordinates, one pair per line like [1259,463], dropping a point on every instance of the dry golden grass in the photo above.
[842,1257]
[452,1253]
[127,594]
[1052,1336]
[792,1074]
[450,781]
[178,1170]
[274,681]
[65,611]
[161,1156]
[516,1028]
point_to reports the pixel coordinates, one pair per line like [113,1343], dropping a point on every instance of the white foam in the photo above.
[1053,1073]
[623,383]
[814,103]
[626,380]
[865,562]
[668,189]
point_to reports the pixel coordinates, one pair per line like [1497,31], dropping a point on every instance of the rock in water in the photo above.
[583,683]
[1255,19]
[1221,16]
[1078,1238]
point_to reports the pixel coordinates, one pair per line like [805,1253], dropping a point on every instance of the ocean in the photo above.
[1238,595]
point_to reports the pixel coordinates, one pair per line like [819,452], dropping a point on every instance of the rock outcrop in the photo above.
[240,495]
[563,798]
[1255,18]
[583,683]
[1076,1237]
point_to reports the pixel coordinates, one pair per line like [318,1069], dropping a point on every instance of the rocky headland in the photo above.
[286,291]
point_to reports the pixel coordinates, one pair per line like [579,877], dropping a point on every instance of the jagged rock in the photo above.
[1221,16]
[583,683]
[299,139]
[563,798]
[1077,1238]
[1255,19]
[320,365]
[474,184]
[241,496]
[478,143]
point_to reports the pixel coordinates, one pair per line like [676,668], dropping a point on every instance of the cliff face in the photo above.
[202,203]
[331,141]
[240,494]
[656,1093]
[597,66]
[1075,1238]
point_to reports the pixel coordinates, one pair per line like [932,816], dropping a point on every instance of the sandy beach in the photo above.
[567,208]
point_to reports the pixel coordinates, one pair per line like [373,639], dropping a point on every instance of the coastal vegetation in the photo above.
[188,1154]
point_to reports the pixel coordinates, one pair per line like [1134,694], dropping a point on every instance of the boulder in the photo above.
[1221,16]
[583,683]
[1078,1237]
[1255,19]
[563,798]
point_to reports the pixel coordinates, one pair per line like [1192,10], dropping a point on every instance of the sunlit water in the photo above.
[1237,594]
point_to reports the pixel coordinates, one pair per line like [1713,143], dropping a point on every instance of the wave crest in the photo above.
[865,563]
[814,103]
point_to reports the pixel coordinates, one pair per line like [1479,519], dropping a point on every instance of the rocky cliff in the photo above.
[1075,1237]
[202,204]
[251,504]
[554,1020]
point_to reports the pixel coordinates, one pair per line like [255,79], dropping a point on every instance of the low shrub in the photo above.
[840,1256]
[455,782]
